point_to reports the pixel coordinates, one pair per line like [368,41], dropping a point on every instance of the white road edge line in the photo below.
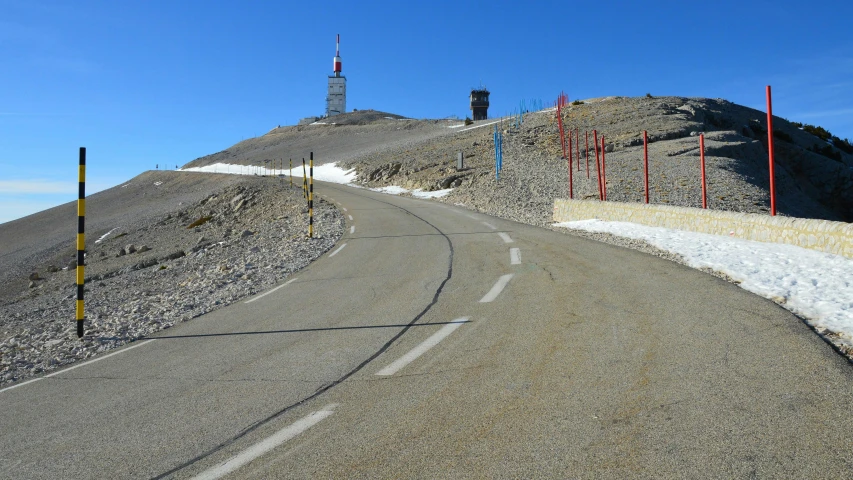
[266,444]
[350,217]
[497,289]
[345,209]
[352,229]
[66,370]
[514,256]
[505,237]
[271,291]
[338,250]
[490,225]
[416,352]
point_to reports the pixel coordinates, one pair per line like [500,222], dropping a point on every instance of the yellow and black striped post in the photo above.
[311,199]
[81,240]
[304,180]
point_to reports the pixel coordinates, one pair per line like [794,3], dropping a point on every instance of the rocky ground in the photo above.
[345,137]
[148,274]
[808,184]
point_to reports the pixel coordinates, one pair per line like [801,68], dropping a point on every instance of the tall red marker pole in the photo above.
[578,147]
[702,161]
[603,172]
[770,152]
[586,133]
[597,163]
[646,162]
[571,180]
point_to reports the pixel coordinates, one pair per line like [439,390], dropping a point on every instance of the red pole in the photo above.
[702,161]
[571,180]
[646,162]
[586,134]
[603,171]
[770,152]
[571,159]
[597,163]
[578,147]
[562,136]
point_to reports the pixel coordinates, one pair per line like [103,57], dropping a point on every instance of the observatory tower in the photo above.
[336,98]
[480,103]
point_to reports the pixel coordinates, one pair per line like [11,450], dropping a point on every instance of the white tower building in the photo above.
[336,97]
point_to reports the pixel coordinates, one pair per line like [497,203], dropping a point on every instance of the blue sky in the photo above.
[148,83]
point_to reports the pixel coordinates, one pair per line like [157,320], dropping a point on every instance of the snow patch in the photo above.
[434,194]
[328,172]
[105,235]
[815,285]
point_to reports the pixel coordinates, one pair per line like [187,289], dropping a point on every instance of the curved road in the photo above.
[434,342]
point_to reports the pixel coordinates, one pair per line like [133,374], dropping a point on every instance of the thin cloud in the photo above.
[826,113]
[36,187]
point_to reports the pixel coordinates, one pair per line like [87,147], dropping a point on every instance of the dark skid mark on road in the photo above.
[304,330]
[352,372]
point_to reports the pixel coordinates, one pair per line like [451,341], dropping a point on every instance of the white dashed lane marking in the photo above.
[267,444]
[350,217]
[490,225]
[506,238]
[338,250]
[514,256]
[271,291]
[423,347]
[497,289]
[352,229]
[78,365]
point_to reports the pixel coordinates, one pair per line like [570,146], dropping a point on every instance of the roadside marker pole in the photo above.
[597,163]
[304,181]
[770,153]
[603,171]
[311,200]
[81,240]
[586,134]
[571,180]
[291,172]
[646,162]
[578,147]
[702,161]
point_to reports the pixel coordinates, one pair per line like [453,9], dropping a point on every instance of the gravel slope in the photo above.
[151,271]
[808,185]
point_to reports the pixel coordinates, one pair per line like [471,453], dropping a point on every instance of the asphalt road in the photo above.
[426,346]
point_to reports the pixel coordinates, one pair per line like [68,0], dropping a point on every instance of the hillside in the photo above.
[809,184]
[337,139]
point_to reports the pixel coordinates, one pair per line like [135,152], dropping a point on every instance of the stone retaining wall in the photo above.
[831,237]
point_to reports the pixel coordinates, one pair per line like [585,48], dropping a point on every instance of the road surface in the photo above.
[433,342]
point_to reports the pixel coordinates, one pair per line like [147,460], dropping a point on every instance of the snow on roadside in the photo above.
[328,172]
[417,193]
[815,285]
[105,235]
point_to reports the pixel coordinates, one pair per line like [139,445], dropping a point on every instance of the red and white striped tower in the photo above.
[336,96]
[337,60]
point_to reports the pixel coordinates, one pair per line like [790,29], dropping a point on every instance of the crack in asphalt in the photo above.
[326,387]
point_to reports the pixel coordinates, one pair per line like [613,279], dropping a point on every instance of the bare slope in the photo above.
[181,244]
[808,184]
[336,139]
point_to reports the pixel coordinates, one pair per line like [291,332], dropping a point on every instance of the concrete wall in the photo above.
[832,237]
